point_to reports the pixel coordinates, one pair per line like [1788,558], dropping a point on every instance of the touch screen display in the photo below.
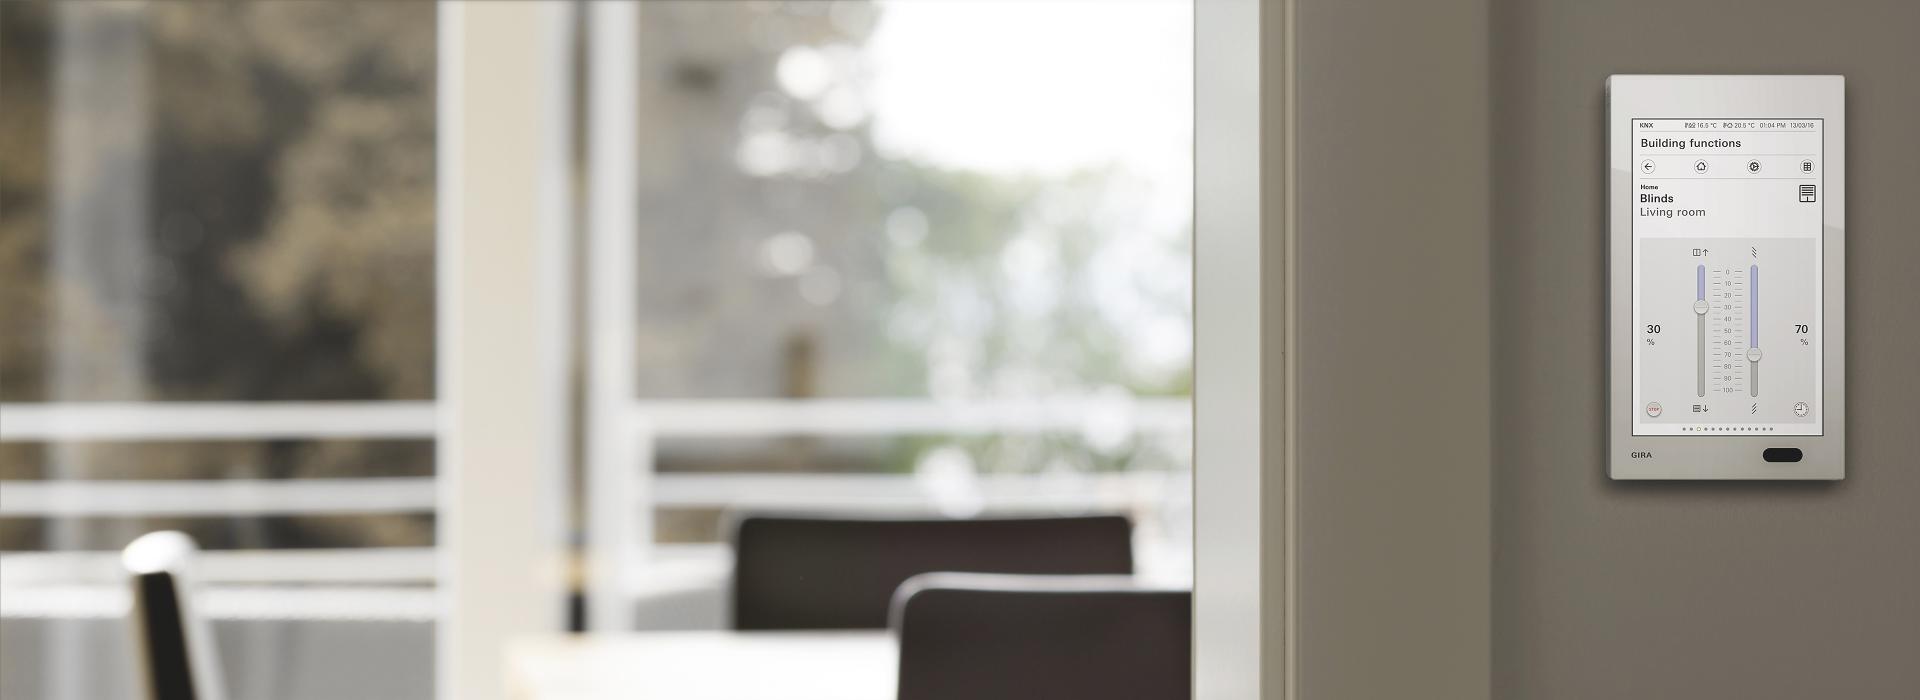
[1727,226]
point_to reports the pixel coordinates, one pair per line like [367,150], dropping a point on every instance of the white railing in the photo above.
[369,583]
[384,565]
[811,492]
[625,487]
[622,472]
[224,602]
[908,416]
[890,492]
[216,497]
[392,584]
[38,422]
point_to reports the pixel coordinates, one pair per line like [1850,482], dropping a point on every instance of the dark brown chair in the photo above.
[822,573]
[1051,637]
[173,647]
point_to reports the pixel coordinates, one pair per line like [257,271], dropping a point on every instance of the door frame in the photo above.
[1241,572]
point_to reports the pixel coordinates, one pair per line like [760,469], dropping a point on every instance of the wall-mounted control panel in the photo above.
[1727,269]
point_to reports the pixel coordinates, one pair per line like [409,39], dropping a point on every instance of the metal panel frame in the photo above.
[1687,457]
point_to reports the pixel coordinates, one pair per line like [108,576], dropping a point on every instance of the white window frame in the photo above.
[505,242]
[1243,579]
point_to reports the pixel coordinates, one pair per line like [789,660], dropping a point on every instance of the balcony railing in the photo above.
[624,491]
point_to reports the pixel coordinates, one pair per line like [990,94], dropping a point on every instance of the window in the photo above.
[872,276]
[216,255]
[866,277]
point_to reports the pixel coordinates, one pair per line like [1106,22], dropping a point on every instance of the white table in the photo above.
[705,666]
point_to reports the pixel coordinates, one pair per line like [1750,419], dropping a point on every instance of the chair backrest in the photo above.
[819,573]
[173,647]
[1053,637]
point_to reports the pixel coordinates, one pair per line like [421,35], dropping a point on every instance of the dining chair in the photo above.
[1053,637]
[840,573]
[173,646]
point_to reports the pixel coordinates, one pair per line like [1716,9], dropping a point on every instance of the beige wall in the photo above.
[1699,590]
[1393,315]
[1449,289]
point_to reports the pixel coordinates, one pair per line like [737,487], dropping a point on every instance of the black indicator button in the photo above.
[1781,454]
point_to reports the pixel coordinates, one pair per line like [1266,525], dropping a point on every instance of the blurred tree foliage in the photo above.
[291,166]
[948,283]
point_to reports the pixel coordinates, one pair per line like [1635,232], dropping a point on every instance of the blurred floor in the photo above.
[264,659]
